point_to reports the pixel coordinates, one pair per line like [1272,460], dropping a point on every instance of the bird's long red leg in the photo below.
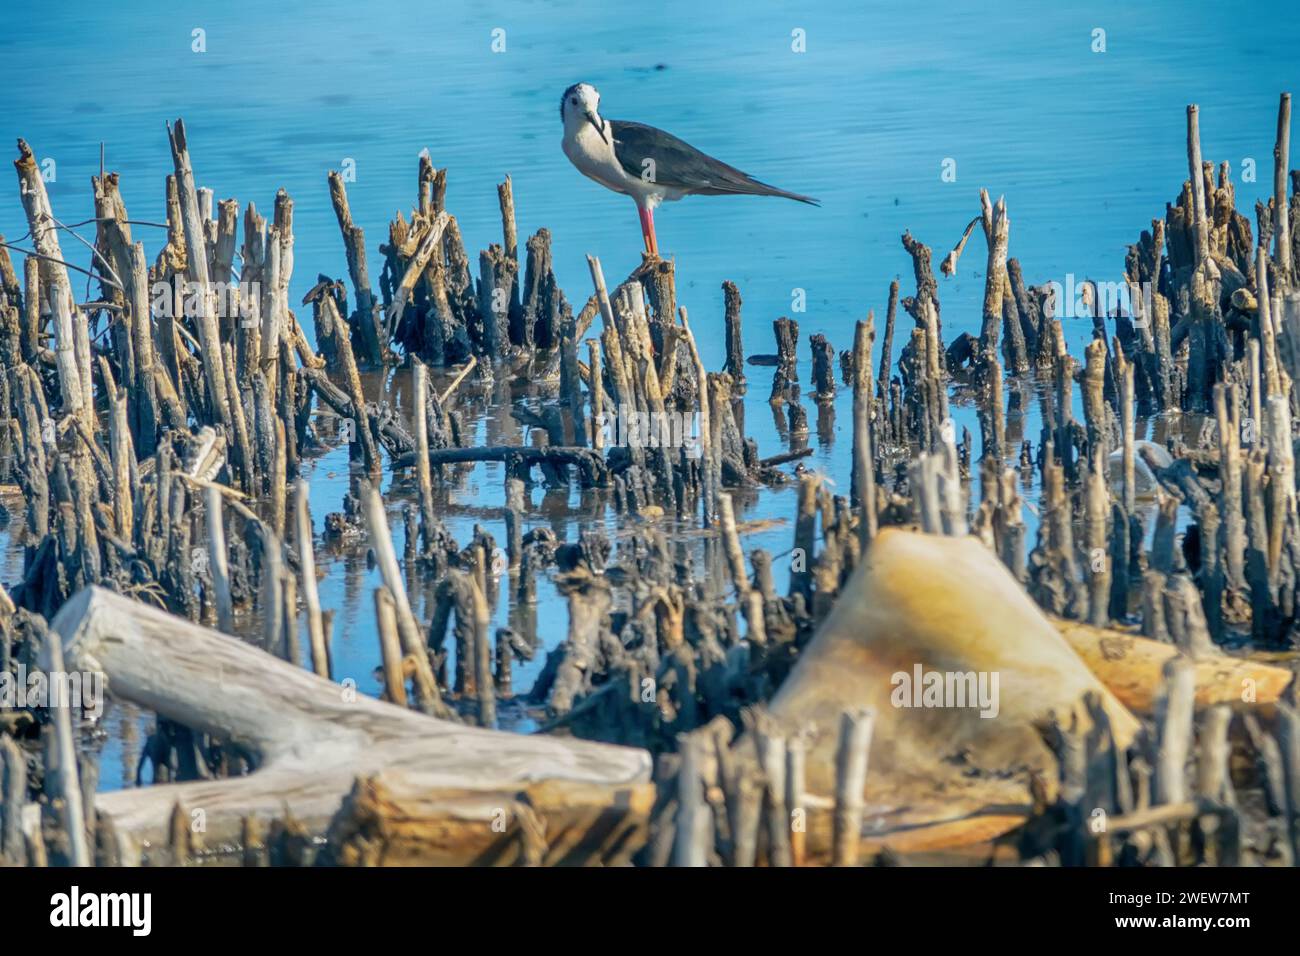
[648,230]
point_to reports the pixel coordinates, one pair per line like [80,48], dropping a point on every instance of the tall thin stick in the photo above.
[67,785]
[1281,215]
[217,566]
[850,781]
[381,543]
[1200,228]
[320,659]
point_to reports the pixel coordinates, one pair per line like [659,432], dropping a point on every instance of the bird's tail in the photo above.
[755,188]
[732,182]
[797,197]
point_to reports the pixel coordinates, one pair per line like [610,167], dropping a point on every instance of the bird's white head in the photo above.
[581,104]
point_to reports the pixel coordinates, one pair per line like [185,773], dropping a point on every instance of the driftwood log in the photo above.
[465,795]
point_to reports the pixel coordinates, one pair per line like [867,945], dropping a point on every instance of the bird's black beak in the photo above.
[595,121]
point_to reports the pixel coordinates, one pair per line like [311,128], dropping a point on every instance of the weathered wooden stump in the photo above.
[946,773]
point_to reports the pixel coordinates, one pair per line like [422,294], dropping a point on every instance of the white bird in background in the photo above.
[646,163]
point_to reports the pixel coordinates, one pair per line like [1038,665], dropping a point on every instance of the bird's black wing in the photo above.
[679,165]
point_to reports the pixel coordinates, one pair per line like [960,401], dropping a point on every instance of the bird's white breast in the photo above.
[595,159]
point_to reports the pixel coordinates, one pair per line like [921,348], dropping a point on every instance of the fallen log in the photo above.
[590,465]
[312,740]
[387,822]
[1131,667]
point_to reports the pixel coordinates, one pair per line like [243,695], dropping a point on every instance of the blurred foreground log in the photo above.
[944,771]
[462,795]
[1131,667]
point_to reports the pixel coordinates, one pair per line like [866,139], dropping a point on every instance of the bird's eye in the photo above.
[573,100]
